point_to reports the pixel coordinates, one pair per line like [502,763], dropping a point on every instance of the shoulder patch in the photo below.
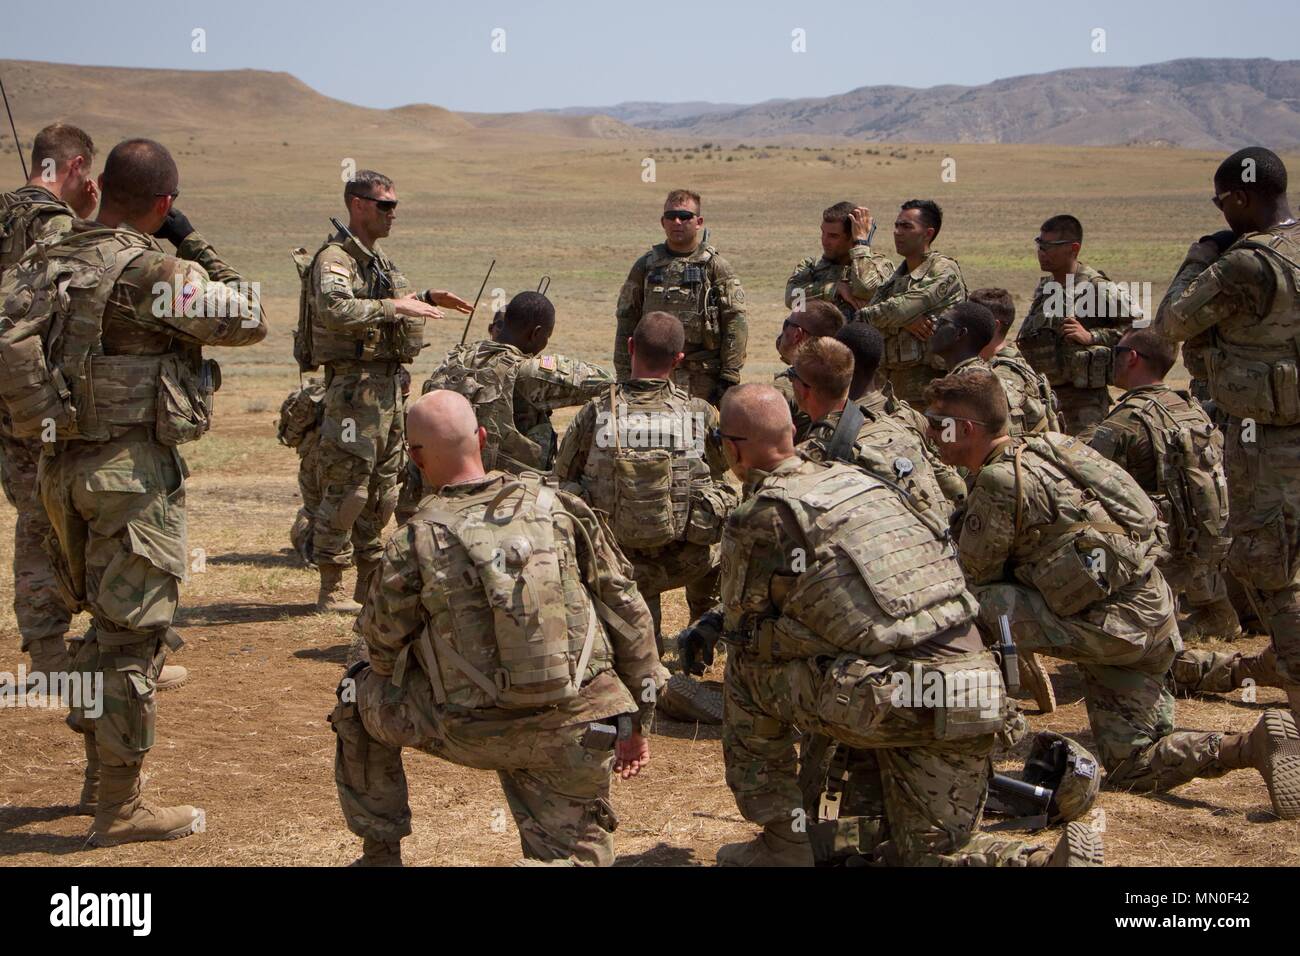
[547,362]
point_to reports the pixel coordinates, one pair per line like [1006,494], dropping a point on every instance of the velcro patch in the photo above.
[184,296]
[548,362]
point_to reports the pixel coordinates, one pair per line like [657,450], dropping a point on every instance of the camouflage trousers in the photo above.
[117,510]
[1081,409]
[300,534]
[695,567]
[361,453]
[556,779]
[1263,471]
[411,492]
[1197,671]
[908,382]
[1124,648]
[1195,583]
[919,799]
[38,605]
[697,378]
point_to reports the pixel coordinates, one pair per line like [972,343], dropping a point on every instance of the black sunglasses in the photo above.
[936,421]
[385,205]
[1129,348]
[681,215]
[1040,242]
[717,434]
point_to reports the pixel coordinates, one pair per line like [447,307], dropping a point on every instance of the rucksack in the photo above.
[300,413]
[17,210]
[1037,388]
[489,386]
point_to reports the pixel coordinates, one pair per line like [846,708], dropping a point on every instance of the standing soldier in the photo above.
[906,306]
[538,665]
[359,319]
[686,277]
[112,479]
[1063,543]
[834,591]
[1247,300]
[848,273]
[60,187]
[961,338]
[817,319]
[1076,317]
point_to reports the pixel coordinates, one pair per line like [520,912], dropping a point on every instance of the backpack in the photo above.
[302,338]
[489,386]
[17,211]
[1037,388]
[300,413]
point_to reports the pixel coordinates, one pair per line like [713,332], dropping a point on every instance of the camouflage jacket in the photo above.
[1124,435]
[951,483]
[1030,410]
[702,290]
[782,382]
[395,616]
[817,278]
[929,289]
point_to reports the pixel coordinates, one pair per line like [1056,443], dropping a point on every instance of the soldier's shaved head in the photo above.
[137,174]
[757,431]
[658,340]
[445,438]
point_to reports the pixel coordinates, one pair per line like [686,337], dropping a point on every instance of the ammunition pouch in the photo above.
[184,403]
[1267,391]
[1089,366]
[856,693]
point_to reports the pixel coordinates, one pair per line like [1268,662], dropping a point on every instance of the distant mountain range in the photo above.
[1194,103]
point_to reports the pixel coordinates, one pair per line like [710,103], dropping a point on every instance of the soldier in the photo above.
[1063,543]
[906,306]
[1003,307]
[686,277]
[60,187]
[962,336]
[829,623]
[111,478]
[531,665]
[817,319]
[359,319]
[867,346]
[1076,317]
[848,273]
[1247,300]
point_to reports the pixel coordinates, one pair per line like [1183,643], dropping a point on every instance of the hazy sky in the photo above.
[590,53]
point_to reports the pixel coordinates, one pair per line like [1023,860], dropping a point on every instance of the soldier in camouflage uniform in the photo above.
[906,306]
[1076,317]
[960,338]
[686,277]
[540,666]
[838,595]
[1064,544]
[849,272]
[643,454]
[359,318]
[112,479]
[60,187]
[1246,300]
[817,319]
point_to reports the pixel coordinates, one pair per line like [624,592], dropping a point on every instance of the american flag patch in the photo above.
[548,362]
[184,296]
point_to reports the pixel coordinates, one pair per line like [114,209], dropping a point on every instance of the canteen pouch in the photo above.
[856,693]
[1065,581]
[973,698]
[184,406]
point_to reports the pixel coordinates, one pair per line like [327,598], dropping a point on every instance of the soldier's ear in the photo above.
[631,347]
[677,359]
[481,435]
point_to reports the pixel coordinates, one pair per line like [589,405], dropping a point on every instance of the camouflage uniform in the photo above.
[696,493]
[817,278]
[513,395]
[429,625]
[820,636]
[29,215]
[1079,374]
[114,486]
[928,290]
[701,289]
[878,404]
[1244,309]
[782,382]
[1030,402]
[299,428]
[362,342]
[1123,642]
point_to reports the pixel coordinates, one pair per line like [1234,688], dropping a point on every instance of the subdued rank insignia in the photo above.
[973,524]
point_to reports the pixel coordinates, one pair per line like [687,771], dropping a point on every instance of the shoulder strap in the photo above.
[1020,493]
[840,447]
[613,418]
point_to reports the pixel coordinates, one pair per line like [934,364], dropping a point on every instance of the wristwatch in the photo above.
[862,242]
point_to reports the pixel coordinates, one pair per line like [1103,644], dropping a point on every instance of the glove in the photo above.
[715,397]
[1221,239]
[695,644]
[176,227]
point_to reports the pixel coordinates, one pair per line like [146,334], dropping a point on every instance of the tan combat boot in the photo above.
[689,700]
[1217,621]
[89,802]
[123,817]
[49,656]
[365,571]
[1080,845]
[333,597]
[379,853]
[171,676]
[1272,748]
[775,846]
[1035,682]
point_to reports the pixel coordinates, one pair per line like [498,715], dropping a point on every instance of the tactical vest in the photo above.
[314,344]
[902,349]
[18,210]
[682,286]
[486,377]
[1191,489]
[1065,363]
[1038,413]
[864,549]
[54,375]
[639,469]
[300,413]
[1104,535]
[1253,365]
[509,622]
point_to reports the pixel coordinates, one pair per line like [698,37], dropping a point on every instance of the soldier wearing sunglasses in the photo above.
[684,276]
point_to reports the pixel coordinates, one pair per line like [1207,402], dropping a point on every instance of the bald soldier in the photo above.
[816,319]
[504,633]
[829,621]
[1063,543]
[60,187]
